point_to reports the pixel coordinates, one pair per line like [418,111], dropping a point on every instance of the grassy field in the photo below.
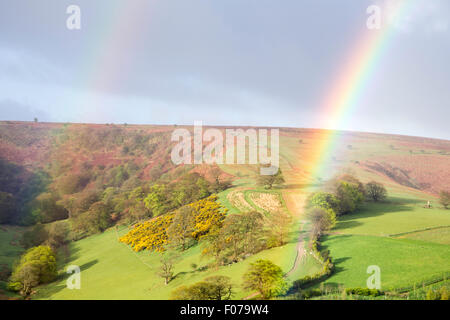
[407,241]
[10,247]
[10,250]
[111,270]
[397,259]
[397,215]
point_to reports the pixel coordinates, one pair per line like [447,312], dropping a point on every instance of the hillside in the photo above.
[62,169]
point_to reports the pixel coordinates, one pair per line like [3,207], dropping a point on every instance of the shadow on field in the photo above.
[338,261]
[374,209]
[399,200]
[338,264]
[87,265]
[348,224]
[49,290]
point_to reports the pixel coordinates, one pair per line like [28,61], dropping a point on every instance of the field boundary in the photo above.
[416,231]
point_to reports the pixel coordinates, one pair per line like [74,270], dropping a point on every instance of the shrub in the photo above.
[152,234]
[308,294]
[36,266]
[363,292]
[439,294]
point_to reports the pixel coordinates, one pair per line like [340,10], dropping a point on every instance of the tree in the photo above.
[73,183]
[266,278]
[376,191]
[157,200]
[218,184]
[444,198]
[48,208]
[279,227]
[36,266]
[57,234]
[182,227]
[97,219]
[321,220]
[222,287]
[267,181]
[243,234]
[212,288]
[167,260]
[349,195]
[36,236]
[324,200]
[214,245]
[240,236]
[348,177]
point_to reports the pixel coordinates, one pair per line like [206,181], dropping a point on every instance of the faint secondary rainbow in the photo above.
[347,88]
[115,46]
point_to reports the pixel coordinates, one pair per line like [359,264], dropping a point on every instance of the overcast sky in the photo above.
[224,62]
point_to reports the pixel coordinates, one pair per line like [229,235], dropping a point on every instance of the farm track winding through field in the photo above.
[295,203]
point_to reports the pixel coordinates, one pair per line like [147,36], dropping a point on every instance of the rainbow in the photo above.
[115,46]
[347,89]
[337,106]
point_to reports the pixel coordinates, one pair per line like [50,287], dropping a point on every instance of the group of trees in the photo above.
[343,195]
[346,193]
[54,235]
[18,189]
[245,234]
[93,211]
[240,236]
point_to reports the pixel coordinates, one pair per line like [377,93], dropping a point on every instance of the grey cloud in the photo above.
[12,110]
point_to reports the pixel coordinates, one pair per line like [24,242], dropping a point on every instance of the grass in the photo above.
[10,247]
[398,260]
[10,251]
[110,270]
[398,215]
[407,241]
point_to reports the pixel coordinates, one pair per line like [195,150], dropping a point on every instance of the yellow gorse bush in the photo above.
[152,235]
